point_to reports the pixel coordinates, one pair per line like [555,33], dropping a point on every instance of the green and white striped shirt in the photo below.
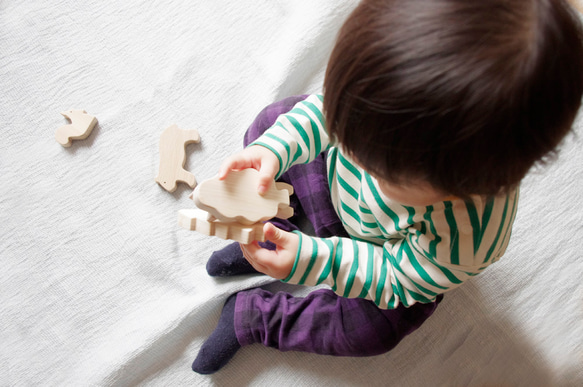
[396,253]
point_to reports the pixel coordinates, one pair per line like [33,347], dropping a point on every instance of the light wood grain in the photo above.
[79,129]
[197,220]
[173,141]
[235,199]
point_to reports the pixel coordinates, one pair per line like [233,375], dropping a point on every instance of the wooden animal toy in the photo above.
[232,208]
[197,220]
[79,129]
[235,199]
[173,141]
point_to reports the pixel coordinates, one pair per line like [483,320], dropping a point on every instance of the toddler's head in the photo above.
[463,95]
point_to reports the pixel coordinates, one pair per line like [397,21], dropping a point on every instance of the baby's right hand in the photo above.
[256,157]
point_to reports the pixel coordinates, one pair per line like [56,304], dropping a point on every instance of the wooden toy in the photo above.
[232,208]
[197,220]
[173,141]
[79,129]
[236,199]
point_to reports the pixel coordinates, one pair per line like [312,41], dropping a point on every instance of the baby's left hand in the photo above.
[279,263]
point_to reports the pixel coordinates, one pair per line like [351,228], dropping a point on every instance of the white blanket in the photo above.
[101,287]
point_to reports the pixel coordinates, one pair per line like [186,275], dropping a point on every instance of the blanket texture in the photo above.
[101,287]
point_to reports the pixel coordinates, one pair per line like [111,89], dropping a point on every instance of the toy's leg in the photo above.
[324,322]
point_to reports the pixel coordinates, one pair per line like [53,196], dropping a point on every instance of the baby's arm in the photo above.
[456,242]
[388,275]
[296,137]
[299,136]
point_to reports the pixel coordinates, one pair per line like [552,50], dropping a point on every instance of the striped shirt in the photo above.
[396,253]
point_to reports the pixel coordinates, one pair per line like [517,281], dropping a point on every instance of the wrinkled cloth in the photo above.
[101,287]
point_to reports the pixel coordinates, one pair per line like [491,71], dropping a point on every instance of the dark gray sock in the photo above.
[221,345]
[228,261]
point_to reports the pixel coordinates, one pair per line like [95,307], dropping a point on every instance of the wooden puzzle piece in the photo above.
[79,129]
[197,220]
[235,199]
[173,141]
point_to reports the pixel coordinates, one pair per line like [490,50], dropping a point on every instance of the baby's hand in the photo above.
[256,157]
[279,263]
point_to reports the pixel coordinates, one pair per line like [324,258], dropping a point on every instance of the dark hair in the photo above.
[466,95]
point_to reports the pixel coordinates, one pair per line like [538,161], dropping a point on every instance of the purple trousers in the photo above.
[322,322]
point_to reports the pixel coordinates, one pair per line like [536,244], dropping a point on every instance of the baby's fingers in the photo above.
[234,163]
[251,252]
[266,175]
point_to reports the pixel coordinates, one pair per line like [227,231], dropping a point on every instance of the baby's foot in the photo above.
[221,345]
[230,261]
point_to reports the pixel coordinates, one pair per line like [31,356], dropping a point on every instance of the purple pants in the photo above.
[322,322]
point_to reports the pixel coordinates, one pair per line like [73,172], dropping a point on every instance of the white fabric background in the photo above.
[99,285]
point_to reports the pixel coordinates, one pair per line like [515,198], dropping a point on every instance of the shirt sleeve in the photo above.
[456,242]
[299,136]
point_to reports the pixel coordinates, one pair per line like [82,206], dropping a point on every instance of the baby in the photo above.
[407,168]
